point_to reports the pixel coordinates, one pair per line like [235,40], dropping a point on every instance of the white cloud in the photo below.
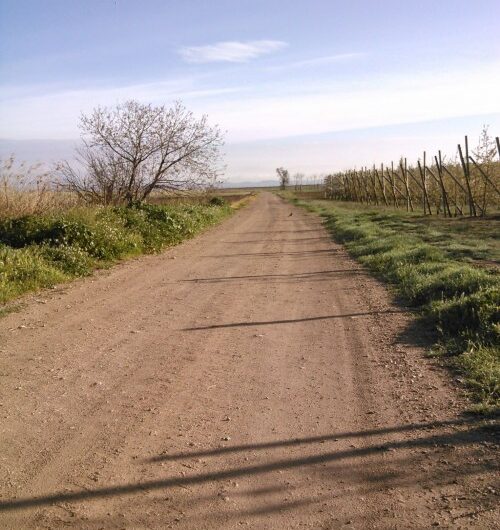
[319,61]
[230,51]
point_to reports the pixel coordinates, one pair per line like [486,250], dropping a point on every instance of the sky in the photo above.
[314,85]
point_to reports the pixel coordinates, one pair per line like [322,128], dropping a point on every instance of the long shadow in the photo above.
[292,321]
[297,276]
[461,438]
[280,231]
[288,253]
[296,240]
[314,439]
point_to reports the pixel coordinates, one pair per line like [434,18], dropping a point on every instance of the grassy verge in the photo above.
[39,251]
[433,269]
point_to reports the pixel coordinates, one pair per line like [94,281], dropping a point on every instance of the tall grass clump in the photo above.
[27,190]
[461,301]
[40,250]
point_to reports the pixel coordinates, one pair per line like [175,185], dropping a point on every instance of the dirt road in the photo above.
[254,377]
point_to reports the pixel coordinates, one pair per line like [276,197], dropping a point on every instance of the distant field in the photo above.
[200,198]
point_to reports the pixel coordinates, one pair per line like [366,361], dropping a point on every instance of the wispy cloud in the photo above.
[377,101]
[29,112]
[282,108]
[230,51]
[319,61]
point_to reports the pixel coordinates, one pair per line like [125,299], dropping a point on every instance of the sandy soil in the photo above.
[255,376]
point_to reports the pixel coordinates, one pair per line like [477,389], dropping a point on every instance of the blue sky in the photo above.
[262,70]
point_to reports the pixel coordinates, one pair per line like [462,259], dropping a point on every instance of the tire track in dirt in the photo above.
[261,379]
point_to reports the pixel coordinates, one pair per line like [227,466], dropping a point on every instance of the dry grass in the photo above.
[29,190]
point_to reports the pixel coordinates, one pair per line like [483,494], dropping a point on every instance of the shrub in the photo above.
[217,201]
[23,270]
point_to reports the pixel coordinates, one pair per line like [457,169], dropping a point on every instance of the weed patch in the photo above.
[39,251]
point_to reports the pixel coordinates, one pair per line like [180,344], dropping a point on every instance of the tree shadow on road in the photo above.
[292,321]
[295,240]
[301,276]
[268,232]
[461,433]
[300,253]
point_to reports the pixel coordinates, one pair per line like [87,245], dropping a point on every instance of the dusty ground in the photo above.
[253,377]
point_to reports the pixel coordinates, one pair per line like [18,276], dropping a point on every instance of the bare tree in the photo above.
[298,181]
[132,149]
[284,177]
[487,168]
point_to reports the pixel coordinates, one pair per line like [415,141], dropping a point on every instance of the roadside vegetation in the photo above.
[39,251]
[445,270]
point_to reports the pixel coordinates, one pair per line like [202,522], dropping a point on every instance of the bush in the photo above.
[23,270]
[217,201]
[71,260]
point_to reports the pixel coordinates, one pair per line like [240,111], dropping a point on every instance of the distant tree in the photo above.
[133,149]
[298,181]
[284,177]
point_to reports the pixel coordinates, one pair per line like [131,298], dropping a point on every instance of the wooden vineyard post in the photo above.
[405,182]
[381,182]
[373,179]
[393,184]
[423,176]
[418,183]
[404,178]
[465,169]
[366,181]
[446,206]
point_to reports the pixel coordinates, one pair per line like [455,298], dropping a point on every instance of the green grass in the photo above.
[40,251]
[433,266]
[462,238]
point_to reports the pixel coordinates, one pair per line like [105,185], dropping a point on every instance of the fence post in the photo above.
[465,169]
